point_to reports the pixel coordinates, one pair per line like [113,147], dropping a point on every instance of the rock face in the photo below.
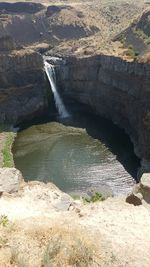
[10,180]
[52,10]
[144,23]
[115,89]
[20,7]
[141,191]
[135,199]
[22,86]
[6,43]
[145,186]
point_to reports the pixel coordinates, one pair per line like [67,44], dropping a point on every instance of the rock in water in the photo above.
[10,180]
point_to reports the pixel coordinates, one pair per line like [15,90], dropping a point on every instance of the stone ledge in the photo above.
[10,180]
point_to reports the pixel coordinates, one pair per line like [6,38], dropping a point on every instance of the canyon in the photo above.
[111,85]
[100,52]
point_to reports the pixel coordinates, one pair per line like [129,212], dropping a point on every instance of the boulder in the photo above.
[52,10]
[10,180]
[145,187]
[135,199]
[64,203]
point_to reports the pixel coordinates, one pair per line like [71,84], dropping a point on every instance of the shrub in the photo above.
[94,198]
[139,33]
[4,220]
[131,52]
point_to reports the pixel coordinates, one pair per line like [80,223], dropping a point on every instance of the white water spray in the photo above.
[50,71]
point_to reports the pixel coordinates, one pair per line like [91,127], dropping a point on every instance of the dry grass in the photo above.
[69,249]
[145,58]
[46,246]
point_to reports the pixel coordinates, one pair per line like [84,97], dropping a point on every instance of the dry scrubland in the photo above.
[81,27]
[43,227]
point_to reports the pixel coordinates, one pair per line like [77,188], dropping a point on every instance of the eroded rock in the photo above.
[145,186]
[22,83]
[140,191]
[20,7]
[10,180]
[135,199]
[7,43]
[52,10]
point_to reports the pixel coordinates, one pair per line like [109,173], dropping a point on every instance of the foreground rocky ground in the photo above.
[42,226]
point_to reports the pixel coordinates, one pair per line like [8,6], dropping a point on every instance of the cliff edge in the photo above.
[40,225]
[22,90]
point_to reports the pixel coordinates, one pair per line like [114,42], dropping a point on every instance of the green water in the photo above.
[74,159]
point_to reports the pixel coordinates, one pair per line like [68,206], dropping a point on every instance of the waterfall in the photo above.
[50,71]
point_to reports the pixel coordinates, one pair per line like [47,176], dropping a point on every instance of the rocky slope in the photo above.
[137,36]
[71,25]
[22,84]
[41,226]
[21,7]
[115,89]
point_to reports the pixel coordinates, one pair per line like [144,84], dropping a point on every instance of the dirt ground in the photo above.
[38,219]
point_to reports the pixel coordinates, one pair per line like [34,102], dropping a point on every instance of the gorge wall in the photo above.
[22,86]
[115,89]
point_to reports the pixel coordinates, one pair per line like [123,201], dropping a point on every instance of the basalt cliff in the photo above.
[115,89]
[22,83]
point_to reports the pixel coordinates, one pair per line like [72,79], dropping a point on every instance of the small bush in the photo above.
[130,47]
[139,33]
[131,52]
[4,220]
[94,198]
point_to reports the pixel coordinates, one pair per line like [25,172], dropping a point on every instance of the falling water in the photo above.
[50,71]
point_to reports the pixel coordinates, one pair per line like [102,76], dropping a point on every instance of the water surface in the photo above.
[77,154]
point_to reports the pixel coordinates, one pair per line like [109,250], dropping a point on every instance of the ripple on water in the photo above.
[70,158]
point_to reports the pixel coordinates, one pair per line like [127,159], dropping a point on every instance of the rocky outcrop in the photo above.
[10,180]
[141,191]
[135,199]
[6,43]
[52,10]
[22,86]
[20,7]
[115,89]
[144,23]
[145,186]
